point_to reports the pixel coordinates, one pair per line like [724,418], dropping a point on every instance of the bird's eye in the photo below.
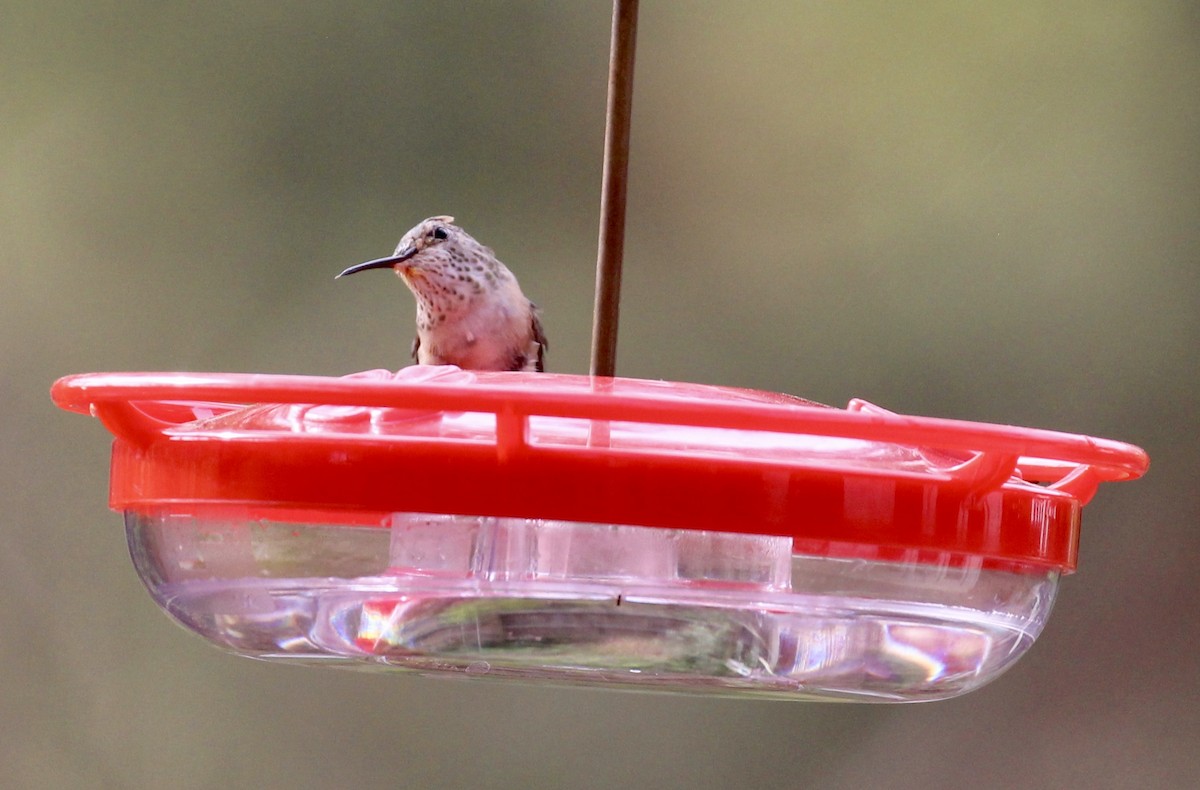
[440,234]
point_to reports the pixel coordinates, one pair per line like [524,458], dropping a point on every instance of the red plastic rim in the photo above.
[858,481]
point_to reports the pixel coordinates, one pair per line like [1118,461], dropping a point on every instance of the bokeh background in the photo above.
[984,211]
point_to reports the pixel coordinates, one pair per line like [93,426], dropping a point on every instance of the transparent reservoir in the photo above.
[573,602]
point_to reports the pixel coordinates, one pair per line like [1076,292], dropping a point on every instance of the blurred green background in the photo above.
[981,211]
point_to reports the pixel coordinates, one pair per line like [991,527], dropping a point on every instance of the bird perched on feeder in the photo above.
[471,311]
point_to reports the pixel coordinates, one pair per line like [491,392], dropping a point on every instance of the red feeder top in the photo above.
[854,482]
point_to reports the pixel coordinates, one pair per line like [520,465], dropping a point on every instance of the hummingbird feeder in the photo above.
[593,529]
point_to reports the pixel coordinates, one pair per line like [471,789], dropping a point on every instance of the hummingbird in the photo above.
[471,311]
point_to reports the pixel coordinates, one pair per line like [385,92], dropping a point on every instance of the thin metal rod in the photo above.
[613,188]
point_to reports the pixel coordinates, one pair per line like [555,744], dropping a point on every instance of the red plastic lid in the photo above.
[859,481]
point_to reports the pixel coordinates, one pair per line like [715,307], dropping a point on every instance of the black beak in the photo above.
[381,263]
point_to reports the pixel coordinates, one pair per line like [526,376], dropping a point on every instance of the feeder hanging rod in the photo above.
[613,188]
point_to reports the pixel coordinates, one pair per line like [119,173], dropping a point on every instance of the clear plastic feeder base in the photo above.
[570,602]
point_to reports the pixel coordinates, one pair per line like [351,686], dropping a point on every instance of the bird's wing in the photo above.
[532,358]
[539,337]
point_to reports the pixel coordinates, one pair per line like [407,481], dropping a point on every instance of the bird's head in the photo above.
[439,260]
